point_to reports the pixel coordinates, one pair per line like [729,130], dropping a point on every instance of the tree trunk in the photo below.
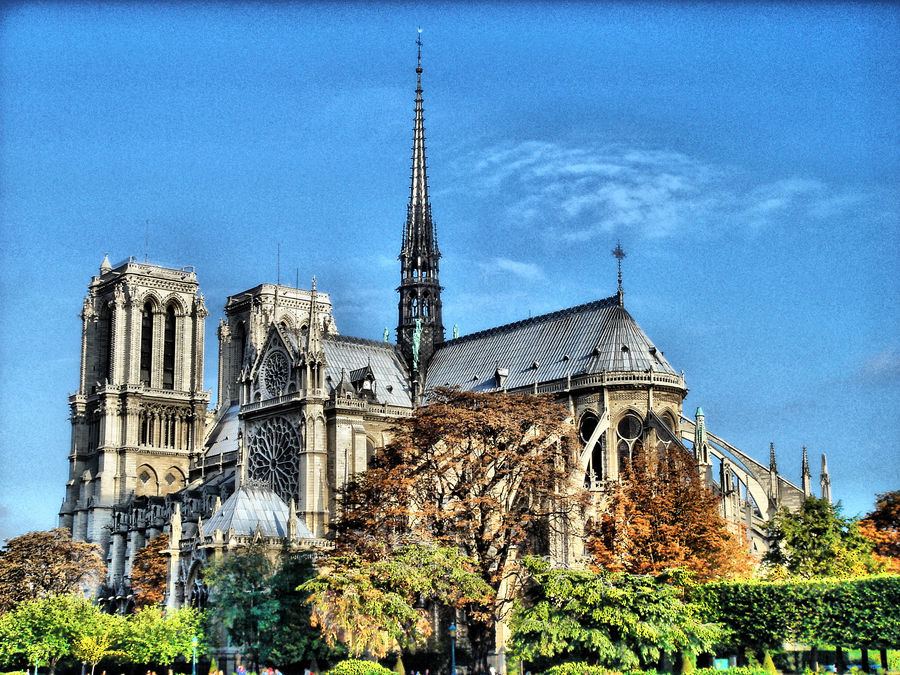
[814,658]
[481,641]
[884,659]
[840,665]
[864,658]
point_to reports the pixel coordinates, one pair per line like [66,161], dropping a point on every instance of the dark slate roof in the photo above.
[223,437]
[250,507]
[351,354]
[597,336]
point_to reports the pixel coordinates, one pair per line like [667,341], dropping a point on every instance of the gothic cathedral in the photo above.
[301,408]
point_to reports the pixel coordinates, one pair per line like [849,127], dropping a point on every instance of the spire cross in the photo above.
[619,254]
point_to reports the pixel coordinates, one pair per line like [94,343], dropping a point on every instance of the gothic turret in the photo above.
[420,328]
[825,480]
[805,475]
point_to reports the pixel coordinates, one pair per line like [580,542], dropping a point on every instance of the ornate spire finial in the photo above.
[419,59]
[805,475]
[619,255]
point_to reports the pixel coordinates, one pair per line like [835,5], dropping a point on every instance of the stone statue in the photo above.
[416,342]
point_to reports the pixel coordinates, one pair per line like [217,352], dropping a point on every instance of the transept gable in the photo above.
[274,371]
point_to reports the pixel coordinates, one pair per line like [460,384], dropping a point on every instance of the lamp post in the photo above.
[452,649]
[194,655]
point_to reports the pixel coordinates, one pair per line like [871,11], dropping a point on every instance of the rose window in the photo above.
[273,449]
[275,373]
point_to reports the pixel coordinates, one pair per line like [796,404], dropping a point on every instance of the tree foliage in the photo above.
[857,612]
[42,564]
[256,600]
[45,630]
[882,528]
[377,607]
[817,541]
[611,619]
[490,474]
[149,571]
[155,636]
[662,516]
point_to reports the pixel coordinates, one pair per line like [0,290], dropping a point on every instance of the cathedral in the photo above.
[301,407]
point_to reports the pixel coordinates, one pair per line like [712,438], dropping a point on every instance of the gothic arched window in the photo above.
[106,345]
[169,349]
[146,343]
[628,430]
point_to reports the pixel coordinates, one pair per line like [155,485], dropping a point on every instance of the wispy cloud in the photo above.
[579,192]
[526,271]
[881,368]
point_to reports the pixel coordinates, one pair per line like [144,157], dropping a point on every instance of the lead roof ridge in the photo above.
[611,301]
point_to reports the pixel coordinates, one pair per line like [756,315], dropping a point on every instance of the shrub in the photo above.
[357,667]
[740,670]
[579,668]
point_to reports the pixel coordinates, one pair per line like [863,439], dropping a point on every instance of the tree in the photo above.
[149,572]
[882,528]
[611,619]
[157,637]
[817,541]
[378,607]
[661,516]
[43,564]
[490,474]
[45,630]
[241,598]
[99,640]
[294,639]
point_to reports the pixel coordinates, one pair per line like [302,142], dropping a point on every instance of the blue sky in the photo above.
[747,156]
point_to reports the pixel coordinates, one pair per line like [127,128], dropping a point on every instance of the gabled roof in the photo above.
[591,338]
[357,354]
[253,506]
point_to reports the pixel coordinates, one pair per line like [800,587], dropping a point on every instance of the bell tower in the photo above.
[139,413]
[420,328]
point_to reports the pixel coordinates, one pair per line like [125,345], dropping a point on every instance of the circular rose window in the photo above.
[275,373]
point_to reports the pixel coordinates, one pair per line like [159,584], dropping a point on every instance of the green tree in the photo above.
[100,640]
[152,636]
[294,639]
[241,599]
[817,541]
[610,619]
[377,607]
[489,474]
[45,630]
[41,564]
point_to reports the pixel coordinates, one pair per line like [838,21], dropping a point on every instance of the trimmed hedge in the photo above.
[579,668]
[862,612]
[357,667]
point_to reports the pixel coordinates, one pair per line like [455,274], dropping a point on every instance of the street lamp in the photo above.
[194,657]
[452,649]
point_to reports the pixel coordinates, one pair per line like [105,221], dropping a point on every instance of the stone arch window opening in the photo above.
[146,363]
[168,381]
[594,472]
[628,432]
[105,344]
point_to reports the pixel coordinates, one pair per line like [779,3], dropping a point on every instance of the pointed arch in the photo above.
[147,484]
[169,346]
[146,364]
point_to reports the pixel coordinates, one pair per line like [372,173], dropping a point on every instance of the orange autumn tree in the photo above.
[490,475]
[882,528]
[148,573]
[662,516]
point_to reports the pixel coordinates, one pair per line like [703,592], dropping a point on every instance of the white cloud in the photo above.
[883,367]
[578,192]
[528,271]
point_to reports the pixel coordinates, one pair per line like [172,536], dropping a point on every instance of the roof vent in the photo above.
[534,365]
[500,376]
[566,357]
[624,348]
[596,351]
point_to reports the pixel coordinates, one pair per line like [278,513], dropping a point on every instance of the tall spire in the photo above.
[619,255]
[419,309]
[805,475]
[825,480]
